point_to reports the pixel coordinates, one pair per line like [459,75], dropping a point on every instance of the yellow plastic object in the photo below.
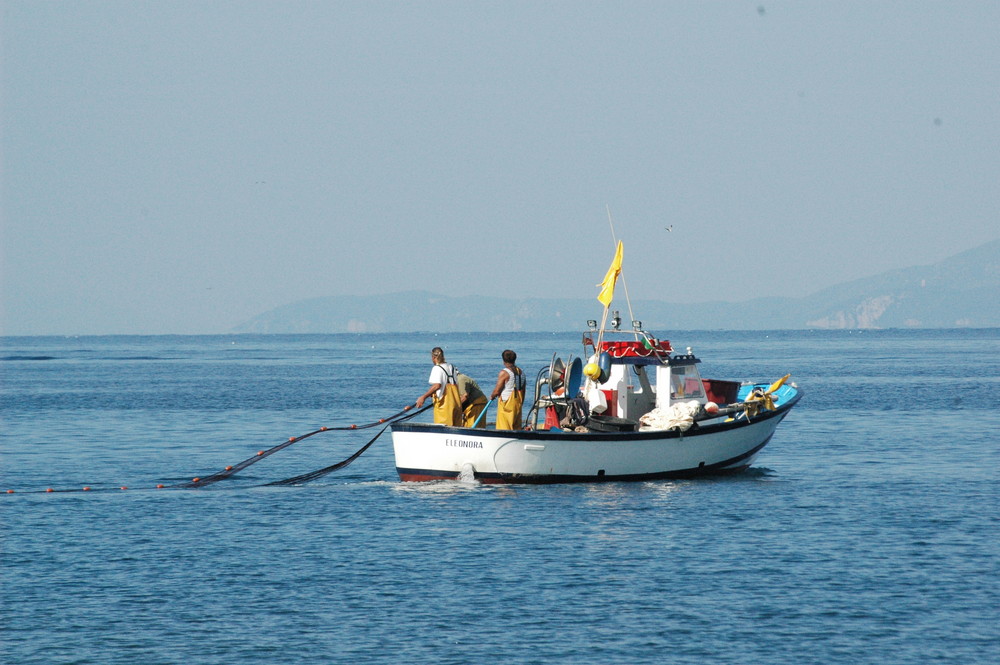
[777,384]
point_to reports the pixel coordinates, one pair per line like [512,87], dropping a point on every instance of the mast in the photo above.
[628,300]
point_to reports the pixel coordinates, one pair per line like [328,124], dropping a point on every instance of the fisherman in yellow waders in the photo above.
[473,401]
[510,390]
[444,389]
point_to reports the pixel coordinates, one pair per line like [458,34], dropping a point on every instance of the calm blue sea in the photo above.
[867,532]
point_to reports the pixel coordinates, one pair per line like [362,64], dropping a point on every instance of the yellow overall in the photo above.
[448,408]
[472,411]
[509,411]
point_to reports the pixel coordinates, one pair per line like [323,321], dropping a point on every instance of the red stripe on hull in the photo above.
[551,480]
[426,477]
[422,478]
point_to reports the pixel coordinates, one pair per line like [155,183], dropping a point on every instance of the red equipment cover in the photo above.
[635,349]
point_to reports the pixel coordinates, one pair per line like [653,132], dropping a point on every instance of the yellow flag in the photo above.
[608,285]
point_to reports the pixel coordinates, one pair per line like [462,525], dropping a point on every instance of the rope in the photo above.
[319,473]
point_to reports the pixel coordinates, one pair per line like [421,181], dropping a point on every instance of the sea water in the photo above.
[866,532]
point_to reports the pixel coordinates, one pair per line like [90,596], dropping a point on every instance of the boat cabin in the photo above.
[634,377]
[629,388]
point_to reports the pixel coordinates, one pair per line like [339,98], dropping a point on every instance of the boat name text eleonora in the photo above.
[462,443]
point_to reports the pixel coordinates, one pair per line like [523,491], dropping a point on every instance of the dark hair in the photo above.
[509,356]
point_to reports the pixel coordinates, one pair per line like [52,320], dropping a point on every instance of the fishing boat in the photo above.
[634,410]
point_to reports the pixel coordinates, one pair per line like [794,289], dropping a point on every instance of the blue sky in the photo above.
[179,167]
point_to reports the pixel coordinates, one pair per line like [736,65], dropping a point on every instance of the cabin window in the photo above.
[685,383]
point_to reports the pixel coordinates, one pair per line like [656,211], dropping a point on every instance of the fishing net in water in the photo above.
[231,471]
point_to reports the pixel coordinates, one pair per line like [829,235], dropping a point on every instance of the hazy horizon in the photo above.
[179,168]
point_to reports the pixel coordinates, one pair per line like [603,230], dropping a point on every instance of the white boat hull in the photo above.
[435,452]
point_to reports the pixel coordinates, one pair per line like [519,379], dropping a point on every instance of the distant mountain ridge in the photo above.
[962,291]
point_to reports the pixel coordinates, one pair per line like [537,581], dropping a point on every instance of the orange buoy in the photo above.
[260,452]
[381,420]
[323,428]
[229,468]
[123,488]
[50,490]
[354,426]
[159,487]
[194,480]
[291,438]
[10,491]
[86,489]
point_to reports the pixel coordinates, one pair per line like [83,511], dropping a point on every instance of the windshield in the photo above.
[685,383]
